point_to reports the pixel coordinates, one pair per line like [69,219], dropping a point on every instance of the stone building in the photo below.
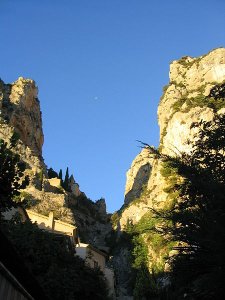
[51,224]
[96,258]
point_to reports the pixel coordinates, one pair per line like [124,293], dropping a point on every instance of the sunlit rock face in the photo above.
[191,79]
[193,94]
[20,113]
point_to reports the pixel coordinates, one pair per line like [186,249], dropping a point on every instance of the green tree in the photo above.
[145,285]
[60,174]
[62,275]
[11,175]
[198,216]
[66,181]
[52,173]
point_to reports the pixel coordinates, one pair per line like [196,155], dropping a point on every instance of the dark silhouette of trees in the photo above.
[11,175]
[52,173]
[198,216]
[60,174]
[65,183]
[49,258]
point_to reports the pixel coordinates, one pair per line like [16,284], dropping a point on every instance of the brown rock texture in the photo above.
[20,113]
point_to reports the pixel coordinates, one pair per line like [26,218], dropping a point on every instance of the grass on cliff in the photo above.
[215,100]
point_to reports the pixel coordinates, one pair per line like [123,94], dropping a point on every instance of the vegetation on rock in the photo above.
[11,173]
[49,257]
[178,249]
[214,100]
[196,220]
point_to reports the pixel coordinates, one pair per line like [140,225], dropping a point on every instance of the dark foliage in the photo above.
[60,174]
[52,173]
[198,216]
[49,257]
[65,183]
[62,275]
[11,174]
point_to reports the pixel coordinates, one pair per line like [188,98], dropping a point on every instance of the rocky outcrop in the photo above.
[21,118]
[186,100]
[138,175]
[196,92]
[20,114]
[183,101]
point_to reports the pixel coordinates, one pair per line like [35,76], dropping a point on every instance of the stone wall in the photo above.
[51,224]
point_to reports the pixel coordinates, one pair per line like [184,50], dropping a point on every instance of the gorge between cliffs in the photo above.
[167,240]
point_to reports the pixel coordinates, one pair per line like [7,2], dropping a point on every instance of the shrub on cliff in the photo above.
[11,174]
[198,216]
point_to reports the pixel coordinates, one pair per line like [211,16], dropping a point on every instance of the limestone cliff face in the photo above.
[138,175]
[190,79]
[187,99]
[196,92]
[20,113]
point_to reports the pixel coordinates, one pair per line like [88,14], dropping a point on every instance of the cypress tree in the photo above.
[66,180]
[60,174]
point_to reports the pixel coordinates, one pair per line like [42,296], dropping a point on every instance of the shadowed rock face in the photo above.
[140,179]
[138,175]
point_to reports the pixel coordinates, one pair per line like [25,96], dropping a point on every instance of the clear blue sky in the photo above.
[100,66]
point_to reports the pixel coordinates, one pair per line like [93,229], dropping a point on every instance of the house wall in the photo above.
[81,252]
[96,259]
[49,223]
[55,182]
[92,256]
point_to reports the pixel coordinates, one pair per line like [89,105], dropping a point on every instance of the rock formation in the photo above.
[20,114]
[21,118]
[196,92]
[186,100]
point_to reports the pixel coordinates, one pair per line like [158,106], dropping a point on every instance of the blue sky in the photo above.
[100,66]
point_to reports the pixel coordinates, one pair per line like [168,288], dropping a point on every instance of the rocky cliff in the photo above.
[196,92]
[21,118]
[20,114]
